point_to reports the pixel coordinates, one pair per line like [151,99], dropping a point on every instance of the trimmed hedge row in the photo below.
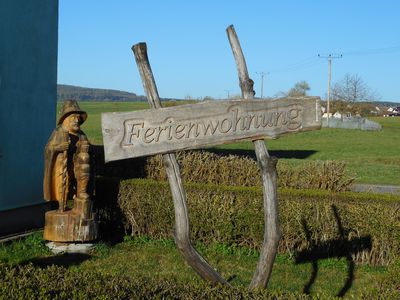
[29,282]
[234,170]
[314,224]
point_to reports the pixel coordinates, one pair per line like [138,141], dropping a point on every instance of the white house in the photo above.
[325,115]
[337,115]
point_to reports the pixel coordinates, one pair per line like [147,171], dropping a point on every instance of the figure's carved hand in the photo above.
[83,146]
[62,147]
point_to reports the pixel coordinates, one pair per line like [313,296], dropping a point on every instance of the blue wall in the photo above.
[28,82]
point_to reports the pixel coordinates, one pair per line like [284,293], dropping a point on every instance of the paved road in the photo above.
[377,189]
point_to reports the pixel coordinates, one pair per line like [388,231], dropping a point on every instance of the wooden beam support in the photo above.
[182,228]
[267,166]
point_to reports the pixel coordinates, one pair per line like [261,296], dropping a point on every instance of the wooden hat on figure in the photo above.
[69,107]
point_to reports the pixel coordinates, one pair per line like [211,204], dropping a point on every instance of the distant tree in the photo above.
[299,89]
[208,98]
[353,89]
[364,109]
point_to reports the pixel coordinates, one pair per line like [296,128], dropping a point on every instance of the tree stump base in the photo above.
[70,226]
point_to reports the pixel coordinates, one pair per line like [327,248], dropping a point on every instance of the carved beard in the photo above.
[74,127]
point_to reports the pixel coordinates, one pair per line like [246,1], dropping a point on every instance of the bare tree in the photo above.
[352,88]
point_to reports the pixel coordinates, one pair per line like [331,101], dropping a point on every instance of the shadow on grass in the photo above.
[299,154]
[337,248]
[64,260]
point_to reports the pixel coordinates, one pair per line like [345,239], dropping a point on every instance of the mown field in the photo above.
[373,157]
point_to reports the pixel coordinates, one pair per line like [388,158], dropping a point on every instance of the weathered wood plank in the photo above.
[267,167]
[182,228]
[272,231]
[149,132]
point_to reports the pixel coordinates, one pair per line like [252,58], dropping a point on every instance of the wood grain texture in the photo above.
[268,171]
[149,132]
[182,228]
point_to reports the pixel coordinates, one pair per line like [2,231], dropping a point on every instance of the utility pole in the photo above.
[262,82]
[329,57]
[227,92]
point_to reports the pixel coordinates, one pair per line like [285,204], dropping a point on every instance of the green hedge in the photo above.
[55,282]
[29,282]
[314,223]
[239,170]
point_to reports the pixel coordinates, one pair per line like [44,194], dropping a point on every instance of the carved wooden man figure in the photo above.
[65,144]
[66,177]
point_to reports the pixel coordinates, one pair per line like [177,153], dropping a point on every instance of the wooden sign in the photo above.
[149,132]
[164,130]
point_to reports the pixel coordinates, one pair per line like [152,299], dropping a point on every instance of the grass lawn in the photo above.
[141,257]
[162,258]
[374,157]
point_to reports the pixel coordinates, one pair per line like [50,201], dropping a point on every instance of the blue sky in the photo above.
[190,54]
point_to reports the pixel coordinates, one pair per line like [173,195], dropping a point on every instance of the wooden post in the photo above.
[182,229]
[63,204]
[267,166]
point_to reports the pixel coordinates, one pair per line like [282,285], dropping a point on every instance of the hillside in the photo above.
[386,103]
[65,91]
[91,94]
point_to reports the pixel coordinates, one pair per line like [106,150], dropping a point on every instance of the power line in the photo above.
[374,51]
[309,62]
[262,82]
[299,67]
[305,63]
[330,57]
